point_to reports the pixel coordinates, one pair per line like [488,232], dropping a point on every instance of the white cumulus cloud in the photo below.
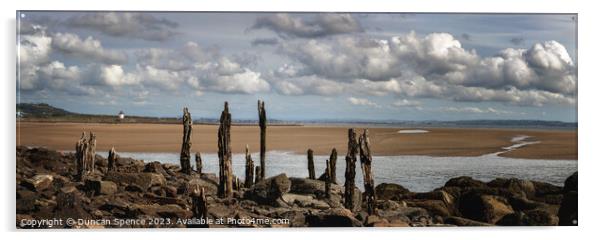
[435,66]
[287,25]
[87,49]
[126,24]
[362,102]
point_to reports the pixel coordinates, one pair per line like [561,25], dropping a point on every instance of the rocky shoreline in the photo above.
[138,194]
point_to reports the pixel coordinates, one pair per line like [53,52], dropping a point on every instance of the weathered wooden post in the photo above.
[112,159]
[327,180]
[262,127]
[199,203]
[249,168]
[333,166]
[310,164]
[81,148]
[257,174]
[366,160]
[91,153]
[350,161]
[225,154]
[199,163]
[186,144]
[85,155]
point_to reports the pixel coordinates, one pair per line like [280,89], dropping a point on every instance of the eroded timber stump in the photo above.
[199,163]
[262,135]
[333,166]
[366,160]
[85,155]
[350,160]
[310,164]
[225,154]
[249,168]
[112,159]
[186,144]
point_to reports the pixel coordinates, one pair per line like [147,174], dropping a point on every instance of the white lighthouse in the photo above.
[121,115]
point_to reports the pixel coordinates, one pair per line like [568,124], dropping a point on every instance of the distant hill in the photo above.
[41,110]
[46,112]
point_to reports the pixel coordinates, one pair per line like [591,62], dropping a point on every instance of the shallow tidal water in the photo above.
[417,173]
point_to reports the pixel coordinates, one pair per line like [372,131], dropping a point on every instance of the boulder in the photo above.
[441,195]
[387,205]
[453,192]
[535,217]
[521,203]
[38,182]
[555,199]
[101,187]
[171,191]
[373,221]
[548,193]
[134,188]
[304,201]
[155,167]
[390,191]
[465,182]
[336,217]
[70,202]
[517,186]
[26,200]
[209,186]
[310,186]
[544,188]
[158,191]
[101,162]
[43,160]
[484,208]
[567,213]
[495,207]
[171,169]
[152,198]
[570,184]
[407,214]
[129,165]
[291,198]
[268,190]
[210,177]
[117,206]
[434,207]
[143,180]
[60,181]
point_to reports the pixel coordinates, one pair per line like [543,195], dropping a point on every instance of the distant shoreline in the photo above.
[144,122]
[312,124]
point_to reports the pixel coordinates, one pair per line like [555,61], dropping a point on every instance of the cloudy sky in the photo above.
[305,66]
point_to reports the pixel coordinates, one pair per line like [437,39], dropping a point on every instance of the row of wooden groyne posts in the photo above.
[357,146]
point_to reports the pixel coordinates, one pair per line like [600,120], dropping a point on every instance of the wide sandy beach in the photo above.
[554,144]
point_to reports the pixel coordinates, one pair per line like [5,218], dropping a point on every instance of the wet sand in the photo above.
[554,144]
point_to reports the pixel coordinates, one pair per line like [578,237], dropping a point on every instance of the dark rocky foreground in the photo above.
[139,194]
